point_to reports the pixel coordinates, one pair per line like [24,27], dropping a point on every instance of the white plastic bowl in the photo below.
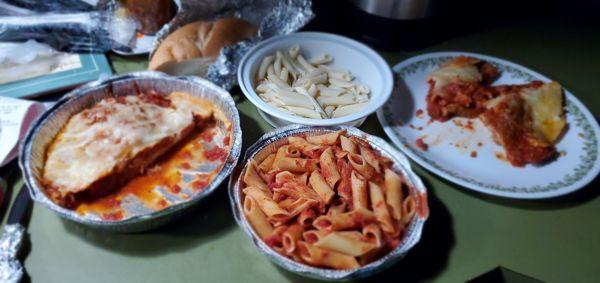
[363,62]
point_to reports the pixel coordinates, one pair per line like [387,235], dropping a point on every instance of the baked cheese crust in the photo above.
[115,140]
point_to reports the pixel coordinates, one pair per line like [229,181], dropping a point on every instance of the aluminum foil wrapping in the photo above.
[274,139]
[10,242]
[273,17]
[75,29]
[138,218]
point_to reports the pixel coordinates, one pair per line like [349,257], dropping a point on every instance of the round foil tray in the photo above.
[33,147]
[272,140]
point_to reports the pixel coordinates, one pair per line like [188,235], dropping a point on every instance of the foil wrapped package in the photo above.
[54,5]
[11,269]
[273,17]
[269,143]
[67,29]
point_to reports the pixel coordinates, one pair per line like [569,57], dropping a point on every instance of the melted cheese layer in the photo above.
[462,69]
[101,139]
[545,105]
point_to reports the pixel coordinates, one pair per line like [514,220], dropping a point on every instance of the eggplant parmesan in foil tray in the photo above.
[132,145]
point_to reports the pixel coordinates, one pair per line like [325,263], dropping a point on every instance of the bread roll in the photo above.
[192,48]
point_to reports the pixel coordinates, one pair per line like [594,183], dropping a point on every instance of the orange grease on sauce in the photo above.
[165,174]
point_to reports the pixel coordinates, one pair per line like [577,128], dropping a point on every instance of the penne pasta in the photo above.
[348,145]
[344,99]
[294,164]
[361,98]
[313,236]
[323,201]
[329,92]
[301,143]
[302,179]
[266,204]
[380,208]
[294,51]
[277,68]
[264,65]
[329,110]
[296,191]
[328,68]
[345,220]
[286,203]
[370,256]
[281,153]
[283,177]
[409,208]
[340,76]
[311,99]
[361,166]
[307,66]
[344,188]
[284,74]
[267,163]
[308,113]
[370,157]
[346,243]
[340,153]
[337,207]
[373,234]
[300,205]
[252,179]
[287,63]
[266,86]
[359,191]
[321,59]
[273,77]
[361,89]
[307,217]
[329,168]
[312,90]
[340,83]
[321,187]
[393,193]
[346,110]
[289,238]
[257,218]
[323,257]
[279,198]
[328,139]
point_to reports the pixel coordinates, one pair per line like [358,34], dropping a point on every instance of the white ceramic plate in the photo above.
[276,122]
[364,63]
[451,143]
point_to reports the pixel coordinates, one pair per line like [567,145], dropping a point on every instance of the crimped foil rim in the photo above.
[411,238]
[37,194]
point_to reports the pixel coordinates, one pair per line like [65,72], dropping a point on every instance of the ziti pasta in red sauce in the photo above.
[328,201]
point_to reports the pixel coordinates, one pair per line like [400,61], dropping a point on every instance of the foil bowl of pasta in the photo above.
[129,153]
[313,78]
[331,203]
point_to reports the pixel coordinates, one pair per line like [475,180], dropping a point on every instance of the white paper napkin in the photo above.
[16,115]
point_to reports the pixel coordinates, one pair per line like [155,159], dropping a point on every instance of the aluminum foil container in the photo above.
[269,143]
[139,218]
[66,25]
[273,17]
